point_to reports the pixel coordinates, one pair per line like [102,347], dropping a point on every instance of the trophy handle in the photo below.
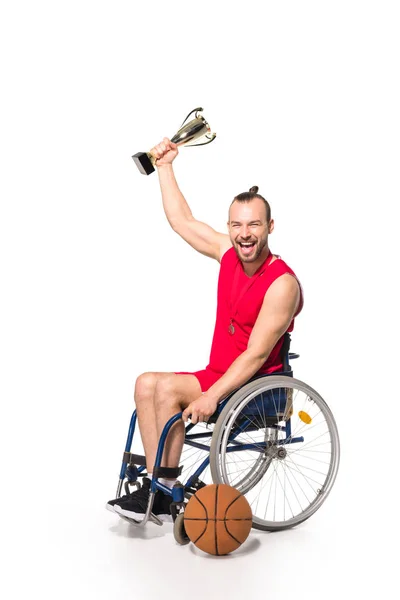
[191,112]
[210,139]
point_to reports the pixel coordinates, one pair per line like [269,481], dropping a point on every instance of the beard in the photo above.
[255,251]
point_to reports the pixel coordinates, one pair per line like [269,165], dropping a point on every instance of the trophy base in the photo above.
[143,162]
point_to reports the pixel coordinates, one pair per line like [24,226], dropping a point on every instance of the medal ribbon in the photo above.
[234,308]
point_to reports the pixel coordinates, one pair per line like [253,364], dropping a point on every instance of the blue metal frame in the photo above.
[189,440]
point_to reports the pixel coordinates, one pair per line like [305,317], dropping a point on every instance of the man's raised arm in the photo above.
[200,236]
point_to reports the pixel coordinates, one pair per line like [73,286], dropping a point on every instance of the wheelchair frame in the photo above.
[133,466]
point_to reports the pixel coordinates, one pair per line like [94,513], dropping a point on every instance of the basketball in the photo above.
[218,519]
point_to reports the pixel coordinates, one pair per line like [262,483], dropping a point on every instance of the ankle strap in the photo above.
[168,472]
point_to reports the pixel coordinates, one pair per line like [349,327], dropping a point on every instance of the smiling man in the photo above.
[258,298]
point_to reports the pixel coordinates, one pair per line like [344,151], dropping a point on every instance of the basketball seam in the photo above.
[203,505]
[232,536]
[206,520]
[233,501]
[202,533]
[225,519]
[215,525]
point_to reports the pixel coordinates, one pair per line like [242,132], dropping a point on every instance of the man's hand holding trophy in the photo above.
[164,153]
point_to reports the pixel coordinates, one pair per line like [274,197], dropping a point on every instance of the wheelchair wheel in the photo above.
[179,531]
[276,441]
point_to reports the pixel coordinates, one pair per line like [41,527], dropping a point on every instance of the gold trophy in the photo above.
[193,131]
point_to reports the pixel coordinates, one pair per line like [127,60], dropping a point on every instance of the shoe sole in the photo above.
[140,516]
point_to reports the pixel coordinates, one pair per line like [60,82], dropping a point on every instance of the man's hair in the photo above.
[253,193]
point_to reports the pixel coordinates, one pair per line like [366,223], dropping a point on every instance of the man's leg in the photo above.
[159,396]
[146,419]
[173,394]
[145,388]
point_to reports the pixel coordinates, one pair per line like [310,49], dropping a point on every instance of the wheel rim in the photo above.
[290,464]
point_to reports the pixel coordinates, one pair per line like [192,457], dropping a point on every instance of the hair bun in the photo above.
[254,189]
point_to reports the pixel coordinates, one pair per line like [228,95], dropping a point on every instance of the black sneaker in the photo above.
[135,506]
[162,506]
[111,504]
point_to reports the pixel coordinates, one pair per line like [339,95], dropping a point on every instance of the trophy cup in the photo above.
[193,131]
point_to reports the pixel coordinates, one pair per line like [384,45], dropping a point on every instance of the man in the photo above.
[258,298]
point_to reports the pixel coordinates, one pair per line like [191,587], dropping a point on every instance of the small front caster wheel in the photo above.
[179,531]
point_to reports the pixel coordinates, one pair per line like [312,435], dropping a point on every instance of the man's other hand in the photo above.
[200,410]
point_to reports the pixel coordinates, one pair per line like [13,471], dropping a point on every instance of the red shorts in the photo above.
[207,377]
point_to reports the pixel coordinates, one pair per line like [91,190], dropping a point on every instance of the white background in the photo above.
[96,288]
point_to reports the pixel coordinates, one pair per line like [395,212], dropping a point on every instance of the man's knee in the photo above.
[177,390]
[146,384]
[166,391]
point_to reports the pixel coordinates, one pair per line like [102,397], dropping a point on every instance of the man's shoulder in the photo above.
[281,266]
[228,256]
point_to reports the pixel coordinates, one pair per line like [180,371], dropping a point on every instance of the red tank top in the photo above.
[240,298]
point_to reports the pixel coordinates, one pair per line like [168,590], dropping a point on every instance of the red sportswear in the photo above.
[240,298]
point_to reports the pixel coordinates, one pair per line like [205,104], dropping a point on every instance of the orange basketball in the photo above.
[218,519]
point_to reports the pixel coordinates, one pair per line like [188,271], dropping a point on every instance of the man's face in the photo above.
[248,229]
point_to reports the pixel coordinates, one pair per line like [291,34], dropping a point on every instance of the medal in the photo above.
[233,307]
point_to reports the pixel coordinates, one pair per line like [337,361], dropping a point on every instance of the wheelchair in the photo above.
[274,439]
